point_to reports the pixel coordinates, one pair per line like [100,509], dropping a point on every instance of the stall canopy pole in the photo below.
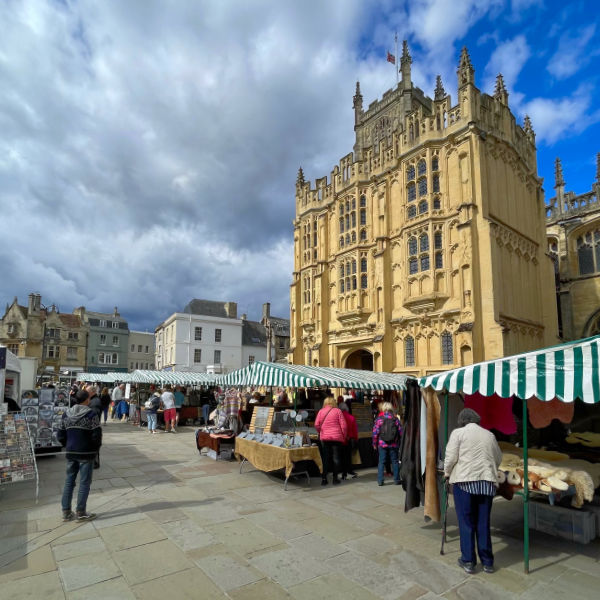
[445,488]
[525,493]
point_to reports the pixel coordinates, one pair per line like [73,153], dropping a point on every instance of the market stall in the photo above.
[562,374]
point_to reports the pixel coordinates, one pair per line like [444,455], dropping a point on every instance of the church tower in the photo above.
[424,249]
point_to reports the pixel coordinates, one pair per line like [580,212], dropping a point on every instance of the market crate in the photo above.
[224,454]
[567,523]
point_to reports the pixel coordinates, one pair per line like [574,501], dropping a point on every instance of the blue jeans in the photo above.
[383,455]
[105,413]
[86,468]
[205,413]
[473,514]
[151,421]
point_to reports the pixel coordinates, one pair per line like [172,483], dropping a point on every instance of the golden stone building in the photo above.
[426,248]
[573,229]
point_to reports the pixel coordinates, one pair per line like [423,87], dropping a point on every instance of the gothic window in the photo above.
[363,282]
[424,243]
[341,286]
[585,255]
[354,237]
[363,235]
[425,262]
[422,186]
[436,183]
[353,203]
[411,192]
[341,224]
[353,267]
[363,201]
[413,266]
[314,239]
[315,254]
[354,282]
[347,284]
[347,205]
[410,173]
[412,246]
[348,268]
[354,219]
[409,351]
[421,168]
[437,204]
[447,349]
[347,239]
[435,166]
[439,260]
[423,207]
[363,265]
[347,221]
[341,208]
[363,216]
[341,241]
[437,240]
[412,211]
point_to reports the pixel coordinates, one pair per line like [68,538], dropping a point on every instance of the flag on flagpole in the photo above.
[391,58]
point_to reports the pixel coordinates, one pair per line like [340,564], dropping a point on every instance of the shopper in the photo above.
[81,433]
[168,404]
[387,433]
[333,431]
[105,402]
[179,400]
[471,465]
[351,442]
[152,405]
[117,396]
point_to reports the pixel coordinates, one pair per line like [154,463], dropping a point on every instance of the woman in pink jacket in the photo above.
[333,431]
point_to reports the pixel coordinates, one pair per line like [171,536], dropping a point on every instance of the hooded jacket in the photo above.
[80,432]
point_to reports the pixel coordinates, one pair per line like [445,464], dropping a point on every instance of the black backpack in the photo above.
[389,430]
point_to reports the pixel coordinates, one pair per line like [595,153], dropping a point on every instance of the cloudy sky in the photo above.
[149,148]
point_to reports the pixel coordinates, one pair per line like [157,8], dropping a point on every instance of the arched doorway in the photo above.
[361,359]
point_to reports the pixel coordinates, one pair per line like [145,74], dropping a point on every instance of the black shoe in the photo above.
[488,568]
[397,482]
[380,483]
[336,481]
[68,515]
[466,566]
[323,481]
[85,516]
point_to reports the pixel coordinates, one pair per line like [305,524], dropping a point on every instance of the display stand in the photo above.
[43,412]
[262,419]
[17,460]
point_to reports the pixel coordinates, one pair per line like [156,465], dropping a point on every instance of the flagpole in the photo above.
[397,63]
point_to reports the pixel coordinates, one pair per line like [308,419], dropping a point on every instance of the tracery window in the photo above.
[341,241]
[363,201]
[412,246]
[412,211]
[413,266]
[347,239]
[435,165]
[353,203]
[411,192]
[425,262]
[421,167]
[409,351]
[423,207]
[588,252]
[363,282]
[424,243]
[410,173]
[354,237]
[363,265]
[363,235]
[353,267]
[439,260]
[341,224]
[436,183]
[354,282]
[447,349]
[363,216]
[437,240]
[422,186]
[437,204]
[353,219]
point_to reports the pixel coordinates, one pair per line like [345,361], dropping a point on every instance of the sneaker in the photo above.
[68,515]
[467,567]
[380,483]
[85,516]
[488,568]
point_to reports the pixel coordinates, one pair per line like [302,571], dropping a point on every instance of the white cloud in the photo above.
[571,54]
[508,58]
[556,118]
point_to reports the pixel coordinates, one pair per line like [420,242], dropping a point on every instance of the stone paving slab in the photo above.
[189,527]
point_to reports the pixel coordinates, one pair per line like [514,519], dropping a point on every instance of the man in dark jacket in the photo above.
[96,405]
[81,433]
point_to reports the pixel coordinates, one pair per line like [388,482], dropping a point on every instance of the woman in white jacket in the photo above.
[471,464]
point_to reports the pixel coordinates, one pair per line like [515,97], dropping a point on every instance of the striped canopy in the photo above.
[569,371]
[284,375]
[158,377]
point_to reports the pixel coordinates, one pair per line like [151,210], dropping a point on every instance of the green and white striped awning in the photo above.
[569,371]
[157,377]
[284,375]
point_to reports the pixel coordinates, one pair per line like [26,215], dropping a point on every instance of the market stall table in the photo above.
[204,439]
[267,458]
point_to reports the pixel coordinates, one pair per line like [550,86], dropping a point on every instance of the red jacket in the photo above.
[352,426]
[331,425]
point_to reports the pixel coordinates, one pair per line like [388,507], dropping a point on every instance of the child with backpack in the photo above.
[387,433]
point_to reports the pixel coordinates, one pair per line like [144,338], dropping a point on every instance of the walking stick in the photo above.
[445,515]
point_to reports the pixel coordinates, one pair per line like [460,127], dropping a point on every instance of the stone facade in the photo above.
[425,250]
[58,340]
[278,335]
[573,230]
[141,350]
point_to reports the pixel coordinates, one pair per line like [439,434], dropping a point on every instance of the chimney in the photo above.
[116,313]
[31,303]
[231,309]
[266,311]
[244,316]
